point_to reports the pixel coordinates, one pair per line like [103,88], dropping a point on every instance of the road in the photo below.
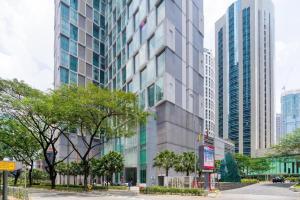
[266,191]
[253,192]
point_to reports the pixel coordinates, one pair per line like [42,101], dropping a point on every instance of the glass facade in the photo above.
[220,80]
[246,83]
[81,41]
[233,127]
[290,112]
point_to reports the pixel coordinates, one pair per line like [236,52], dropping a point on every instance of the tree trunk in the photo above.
[52,176]
[85,174]
[167,172]
[187,173]
[30,174]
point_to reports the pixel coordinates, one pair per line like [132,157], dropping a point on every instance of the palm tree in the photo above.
[165,160]
[185,162]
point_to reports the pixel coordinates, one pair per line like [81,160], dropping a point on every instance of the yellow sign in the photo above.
[7,166]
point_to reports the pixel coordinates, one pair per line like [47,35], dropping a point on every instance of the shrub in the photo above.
[249,181]
[293,179]
[166,190]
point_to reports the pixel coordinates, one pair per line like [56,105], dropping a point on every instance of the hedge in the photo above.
[293,179]
[249,181]
[166,190]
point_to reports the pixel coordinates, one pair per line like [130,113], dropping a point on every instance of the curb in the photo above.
[294,189]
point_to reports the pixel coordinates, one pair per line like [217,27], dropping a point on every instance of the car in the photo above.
[278,180]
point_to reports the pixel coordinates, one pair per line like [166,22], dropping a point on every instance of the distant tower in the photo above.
[209,92]
[290,111]
[245,76]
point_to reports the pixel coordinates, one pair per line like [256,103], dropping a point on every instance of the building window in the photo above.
[130,48]
[96,17]
[143,78]
[73,16]
[73,63]
[96,45]
[136,62]
[73,77]
[64,59]
[129,86]
[64,43]
[143,30]
[96,4]
[64,27]
[64,75]
[95,59]
[160,12]
[73,48]
[101,77]
[151,47]
[160,64]
[96,74]
[89,12]
[81,51]
[159,93]
[73,32]
[142,99]
[96,31]
[64,12]
[74,4]
[136,20]
[81,22]
[151,95]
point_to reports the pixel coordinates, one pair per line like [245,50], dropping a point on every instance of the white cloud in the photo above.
[26,41]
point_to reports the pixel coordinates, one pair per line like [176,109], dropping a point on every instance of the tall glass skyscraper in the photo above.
[153,48]
[245,76]
[290,112]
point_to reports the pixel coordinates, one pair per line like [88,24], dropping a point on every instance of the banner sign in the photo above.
[207,157]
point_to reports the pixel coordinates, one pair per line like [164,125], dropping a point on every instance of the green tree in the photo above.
[21,145]
[185,162]
[243,162]
[100,115]
[165,159]
[290,144]
[217,165]
[229,169]
[36,112]
[259,165]
[109,164]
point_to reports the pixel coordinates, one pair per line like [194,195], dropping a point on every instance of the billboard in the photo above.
[207,157]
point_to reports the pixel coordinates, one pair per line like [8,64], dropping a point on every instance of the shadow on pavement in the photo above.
[282,185]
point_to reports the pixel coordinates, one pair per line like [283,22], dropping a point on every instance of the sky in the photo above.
[27,41]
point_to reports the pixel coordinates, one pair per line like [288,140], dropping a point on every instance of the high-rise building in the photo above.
[209,92]
[153,48]
[244,54]
[290,112]
[278,127]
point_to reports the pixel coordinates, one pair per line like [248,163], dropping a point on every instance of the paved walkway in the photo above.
[253,192]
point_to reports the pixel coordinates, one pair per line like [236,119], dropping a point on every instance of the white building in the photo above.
[245,76]
[209,92]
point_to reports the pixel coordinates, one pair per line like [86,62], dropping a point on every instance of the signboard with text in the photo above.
[7,166]
[207,158]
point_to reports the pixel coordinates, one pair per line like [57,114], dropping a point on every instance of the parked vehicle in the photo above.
[278,180]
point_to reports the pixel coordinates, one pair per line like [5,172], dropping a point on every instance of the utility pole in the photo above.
[5,187]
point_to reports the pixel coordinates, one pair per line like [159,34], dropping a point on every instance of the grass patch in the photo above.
[166,190]
[297,186]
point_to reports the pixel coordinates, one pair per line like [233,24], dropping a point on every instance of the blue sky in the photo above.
[27,31]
